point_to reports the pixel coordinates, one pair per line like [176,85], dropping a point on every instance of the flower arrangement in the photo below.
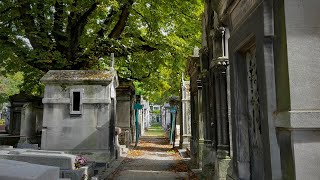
[80,161]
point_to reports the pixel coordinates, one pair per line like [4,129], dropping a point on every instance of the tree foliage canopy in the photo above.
[151,39]
[9,85]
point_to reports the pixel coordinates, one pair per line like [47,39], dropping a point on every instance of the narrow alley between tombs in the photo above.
[153,158]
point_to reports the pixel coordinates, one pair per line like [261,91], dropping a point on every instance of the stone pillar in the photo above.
[222,118]
[220,104]
[117,144]
[197,138]
[125,119]
[296,53]
[185,130]
[174,104]
[178,127]
[112,133]
[200,126]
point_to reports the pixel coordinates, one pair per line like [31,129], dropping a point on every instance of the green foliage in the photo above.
[151,39]
[156,112]
[2,122]
[9,85]
[155,130]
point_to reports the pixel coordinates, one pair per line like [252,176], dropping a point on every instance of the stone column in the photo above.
[178,127]
[125,120]
[200,126]
[197,139]
[185,130]
[174,109]
[117,144]
[222,119]
[297,75]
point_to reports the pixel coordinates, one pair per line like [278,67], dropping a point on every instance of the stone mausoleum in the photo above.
[255,90]
[80,112]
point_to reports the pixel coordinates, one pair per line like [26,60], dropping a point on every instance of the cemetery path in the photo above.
[153,158]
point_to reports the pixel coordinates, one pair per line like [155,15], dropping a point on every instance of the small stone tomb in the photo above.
[79,112]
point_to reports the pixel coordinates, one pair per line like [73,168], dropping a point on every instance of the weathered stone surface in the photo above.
[64,162]
[49,158]
[303,39]
[185,130]
[297,73]
[90,127]
[16,170]
[27,146]
[79,77]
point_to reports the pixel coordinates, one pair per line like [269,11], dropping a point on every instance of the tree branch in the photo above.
[6,10]
[107,22]
[135,78]
[29,24]
[57,31]
[83,20]
[75,30]
[119,27]
[145,19]
[41,19]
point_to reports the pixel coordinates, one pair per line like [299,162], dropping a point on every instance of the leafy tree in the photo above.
[150,38]
[9,85]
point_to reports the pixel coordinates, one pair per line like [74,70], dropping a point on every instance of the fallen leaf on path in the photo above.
[135,153]
[180,167]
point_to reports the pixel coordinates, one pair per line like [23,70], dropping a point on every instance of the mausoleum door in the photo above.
[112,127]
[254,124]
[16,123]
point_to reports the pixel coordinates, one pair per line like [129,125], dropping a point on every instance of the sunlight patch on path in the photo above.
[159,175]
[155,130]
[153,158]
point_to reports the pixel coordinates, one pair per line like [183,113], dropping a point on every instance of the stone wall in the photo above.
[272,94]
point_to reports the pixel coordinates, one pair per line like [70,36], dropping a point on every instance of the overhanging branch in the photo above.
[136,78]
[107,22]
[119,27]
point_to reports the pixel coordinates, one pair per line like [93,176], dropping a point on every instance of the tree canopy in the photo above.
[151,39]
[9,85]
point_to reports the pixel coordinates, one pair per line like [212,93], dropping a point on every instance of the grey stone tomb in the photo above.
[80,112]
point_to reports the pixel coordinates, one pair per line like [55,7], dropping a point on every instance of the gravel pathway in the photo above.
[153,159]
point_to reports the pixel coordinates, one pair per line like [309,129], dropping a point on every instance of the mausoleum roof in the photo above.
[79,77]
